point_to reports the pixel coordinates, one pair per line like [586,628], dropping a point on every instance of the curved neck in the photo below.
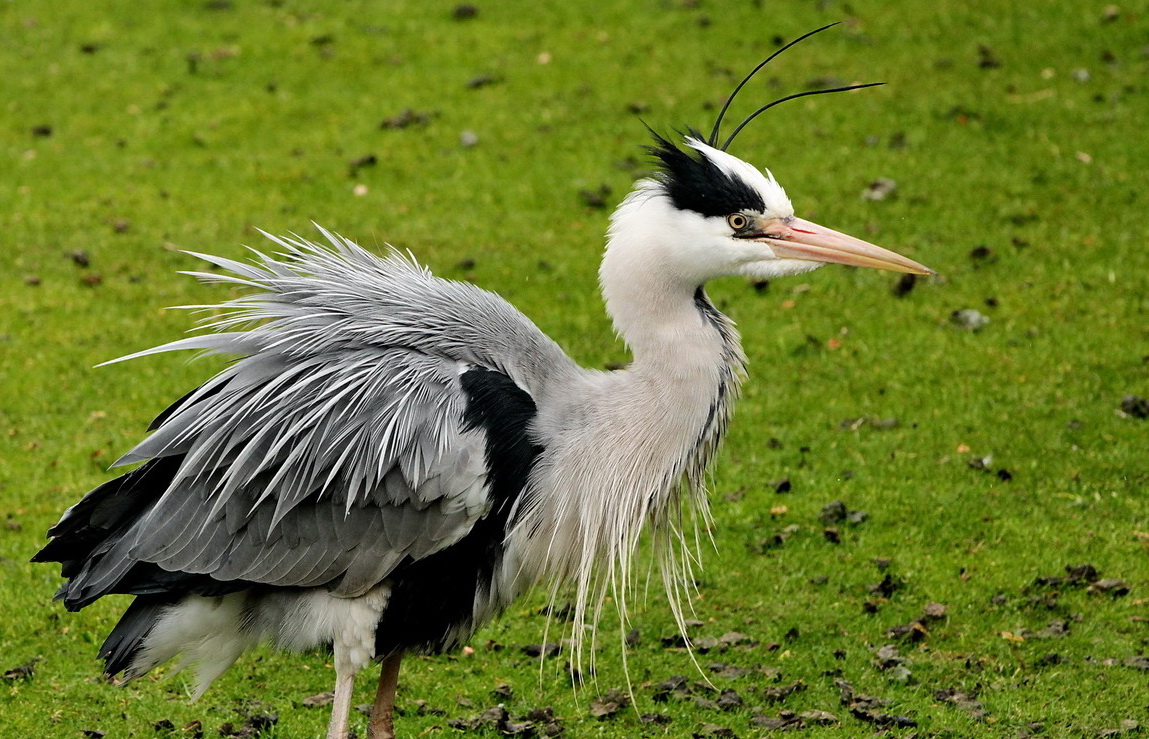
[665,319]
[664,328]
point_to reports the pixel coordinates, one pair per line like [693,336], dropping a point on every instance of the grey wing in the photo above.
[334,447]
[326,471]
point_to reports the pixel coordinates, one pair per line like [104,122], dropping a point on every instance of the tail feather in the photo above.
[92,540]
[128,638]
[89,529]
[209,632]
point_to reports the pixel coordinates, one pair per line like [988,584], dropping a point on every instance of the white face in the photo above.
[764,240]
[711,246]
[708,247]
[710,214]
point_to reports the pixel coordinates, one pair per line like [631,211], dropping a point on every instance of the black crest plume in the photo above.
[713,139]
[698,184]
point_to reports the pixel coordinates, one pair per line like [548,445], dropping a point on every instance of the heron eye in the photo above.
[737,221]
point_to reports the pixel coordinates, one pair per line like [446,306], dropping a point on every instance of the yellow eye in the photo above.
[737,221]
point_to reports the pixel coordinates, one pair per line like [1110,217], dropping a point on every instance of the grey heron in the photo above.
[393,458]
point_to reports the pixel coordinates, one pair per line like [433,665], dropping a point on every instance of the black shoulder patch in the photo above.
[433,599]
[695,183]
[504,410]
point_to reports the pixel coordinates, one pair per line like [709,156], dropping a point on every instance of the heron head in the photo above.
[707,213]
[720,215]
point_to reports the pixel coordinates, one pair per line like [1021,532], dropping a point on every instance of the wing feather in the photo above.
[335,446]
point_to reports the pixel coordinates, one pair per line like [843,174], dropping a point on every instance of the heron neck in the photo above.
[670,326]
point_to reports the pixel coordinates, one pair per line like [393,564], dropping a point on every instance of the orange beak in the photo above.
[795,238]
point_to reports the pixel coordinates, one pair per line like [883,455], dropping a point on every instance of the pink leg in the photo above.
[381,726]
[341,705]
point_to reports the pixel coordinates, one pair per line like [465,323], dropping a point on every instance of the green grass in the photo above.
[186,126]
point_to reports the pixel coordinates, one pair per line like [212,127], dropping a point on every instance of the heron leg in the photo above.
[381,725]
[341,704]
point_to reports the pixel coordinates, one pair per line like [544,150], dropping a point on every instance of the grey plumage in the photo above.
[338,428]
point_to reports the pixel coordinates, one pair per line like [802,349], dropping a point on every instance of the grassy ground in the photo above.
[983,460]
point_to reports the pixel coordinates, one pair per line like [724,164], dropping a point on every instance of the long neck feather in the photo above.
[635,443]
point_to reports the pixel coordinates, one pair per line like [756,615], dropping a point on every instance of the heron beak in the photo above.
[795,238]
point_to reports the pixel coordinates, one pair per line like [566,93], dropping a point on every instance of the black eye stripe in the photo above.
[698,184]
